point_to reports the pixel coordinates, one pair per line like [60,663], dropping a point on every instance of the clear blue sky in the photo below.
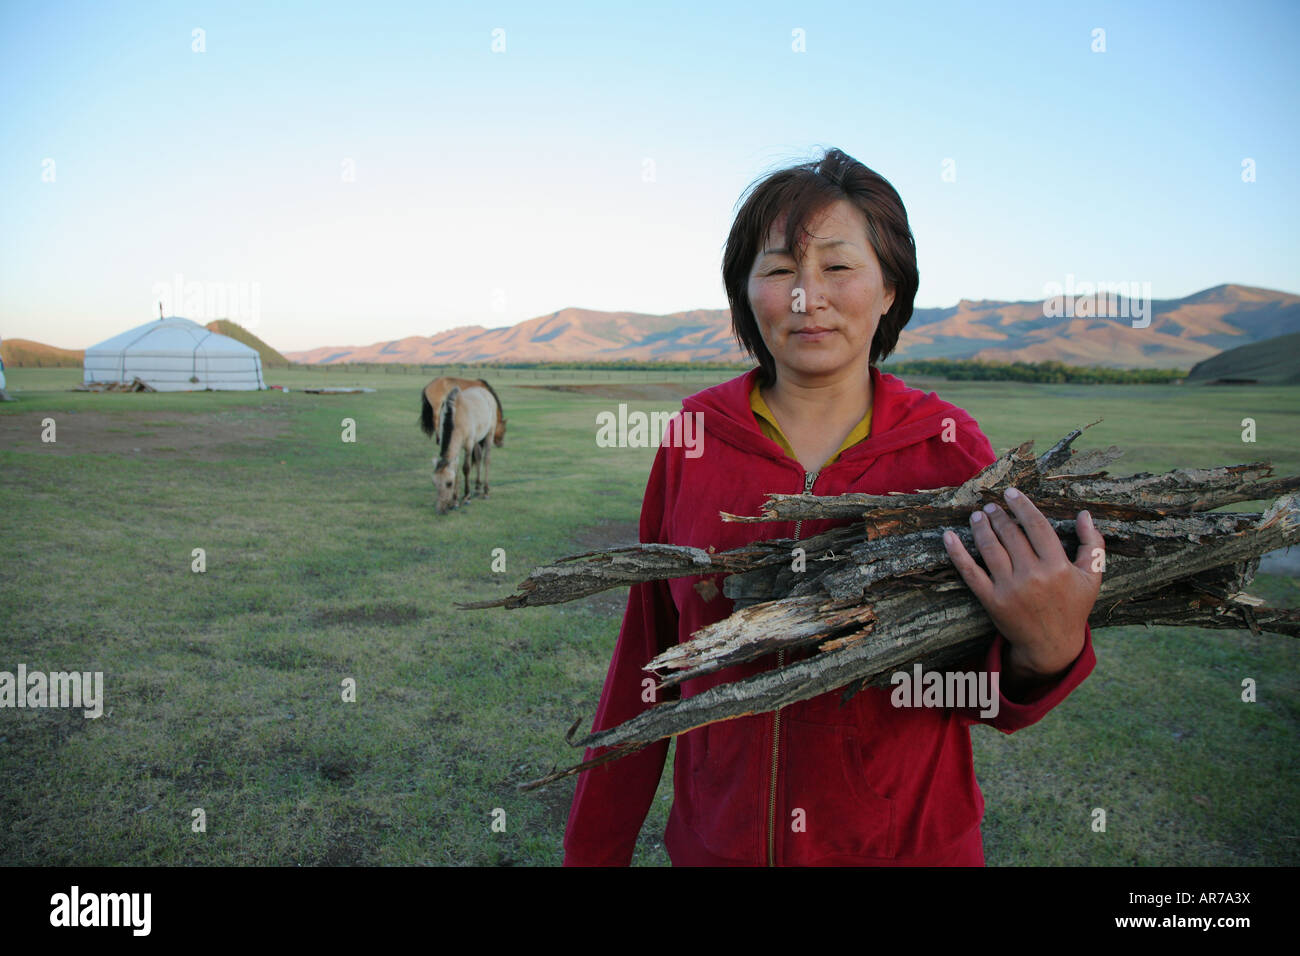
[491,187]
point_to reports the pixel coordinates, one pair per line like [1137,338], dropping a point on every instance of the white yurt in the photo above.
[175,355]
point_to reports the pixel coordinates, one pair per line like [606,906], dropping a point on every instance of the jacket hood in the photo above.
[901,416]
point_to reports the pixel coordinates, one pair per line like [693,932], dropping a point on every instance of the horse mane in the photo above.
[426,413]
[501,412]
[448,412]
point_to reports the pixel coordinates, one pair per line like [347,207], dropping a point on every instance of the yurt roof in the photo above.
[172,336]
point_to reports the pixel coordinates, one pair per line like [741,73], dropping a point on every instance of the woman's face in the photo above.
[844,296]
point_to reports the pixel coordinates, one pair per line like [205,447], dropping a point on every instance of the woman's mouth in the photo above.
[813,333]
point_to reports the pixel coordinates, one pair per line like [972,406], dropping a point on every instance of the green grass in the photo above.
[325,561]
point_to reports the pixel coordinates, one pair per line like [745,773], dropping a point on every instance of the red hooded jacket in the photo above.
[814,783]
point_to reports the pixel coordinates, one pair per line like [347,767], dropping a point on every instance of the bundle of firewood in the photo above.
[135,385]
[881,594]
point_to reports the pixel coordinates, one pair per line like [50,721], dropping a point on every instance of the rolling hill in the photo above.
[24,353]
[1275,361]
[567,335]
[1182,332]
[270,357]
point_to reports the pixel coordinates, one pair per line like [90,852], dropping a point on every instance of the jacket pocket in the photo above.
[718,799]
[830,810]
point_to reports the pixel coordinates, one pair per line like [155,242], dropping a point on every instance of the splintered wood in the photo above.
[880,594]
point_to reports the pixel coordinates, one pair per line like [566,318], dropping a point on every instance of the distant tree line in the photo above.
[629,364]
[1047,372]
[951,369]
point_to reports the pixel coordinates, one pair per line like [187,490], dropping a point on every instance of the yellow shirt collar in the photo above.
[767,423]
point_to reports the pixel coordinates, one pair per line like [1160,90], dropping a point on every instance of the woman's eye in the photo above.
[776,272]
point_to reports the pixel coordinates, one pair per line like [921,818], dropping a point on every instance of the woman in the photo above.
[820,271]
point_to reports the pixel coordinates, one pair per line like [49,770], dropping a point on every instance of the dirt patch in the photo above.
[42,730]
[607,534]
[611,603]
[351,837]
[639,391]
[144,433]
[444,718]
[290,659]
[379,615]
[336,770]
[556,799]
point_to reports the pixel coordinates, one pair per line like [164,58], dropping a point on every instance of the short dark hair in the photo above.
[801,193]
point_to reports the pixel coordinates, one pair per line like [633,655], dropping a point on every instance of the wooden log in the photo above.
[880,594]
[1059,496]
[1180,491]
[914,625]
[1211,599]
[846,576]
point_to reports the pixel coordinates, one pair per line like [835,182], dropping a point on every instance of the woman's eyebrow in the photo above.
[824,244]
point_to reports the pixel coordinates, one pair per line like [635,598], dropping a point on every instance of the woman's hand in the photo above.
[1039,601]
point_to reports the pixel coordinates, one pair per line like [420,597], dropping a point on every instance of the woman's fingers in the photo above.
[1092,546]
[970,572]
[1039,530]
[990,547]
[1010,536]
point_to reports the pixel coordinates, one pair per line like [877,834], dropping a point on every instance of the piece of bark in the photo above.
[913,625]
[845,576]
[938,623]
[1210,599]
[879,594]
[1047,479]
[1180,491]
[1132,498]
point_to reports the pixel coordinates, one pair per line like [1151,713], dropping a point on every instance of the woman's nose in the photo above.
[813,290]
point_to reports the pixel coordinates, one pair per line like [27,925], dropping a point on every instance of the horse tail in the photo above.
[448,413]
[426,414]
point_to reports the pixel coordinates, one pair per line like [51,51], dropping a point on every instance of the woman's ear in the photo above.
[889,301]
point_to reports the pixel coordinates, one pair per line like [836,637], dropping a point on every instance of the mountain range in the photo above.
[1182,332]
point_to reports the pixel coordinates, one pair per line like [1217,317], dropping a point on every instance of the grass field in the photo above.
[325,561]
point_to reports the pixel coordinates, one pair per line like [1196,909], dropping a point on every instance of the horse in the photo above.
[467,417]
[432,398]
[437,390]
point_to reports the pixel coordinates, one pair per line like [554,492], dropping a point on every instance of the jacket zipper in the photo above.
[808,479]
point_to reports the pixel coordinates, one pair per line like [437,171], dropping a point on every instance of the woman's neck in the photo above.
[807,401]
[816,415]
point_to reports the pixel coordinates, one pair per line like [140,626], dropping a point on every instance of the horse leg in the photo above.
[478,468]
[487,458]
[466,462]
[481,464]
